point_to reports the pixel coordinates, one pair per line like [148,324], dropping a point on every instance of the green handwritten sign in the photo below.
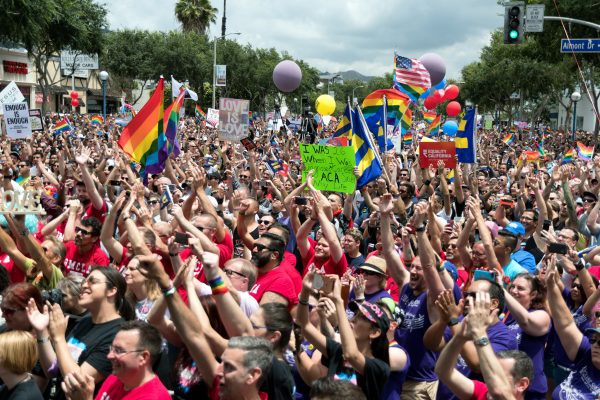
[333,165]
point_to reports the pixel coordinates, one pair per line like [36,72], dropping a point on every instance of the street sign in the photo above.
[580,46]
[70,60]
[534,20]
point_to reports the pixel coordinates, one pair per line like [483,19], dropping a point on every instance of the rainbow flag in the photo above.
[172,120]
[406,121]
[509,138]
[397,104]
[585,152]
[62,126]
[97,120]
[429,116]
[199,113]
[532,155]
[540,149]
[434,127]
[568,157]
[407,139]
[144,136]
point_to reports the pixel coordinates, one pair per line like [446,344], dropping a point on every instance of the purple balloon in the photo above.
[287,76]
[435,65]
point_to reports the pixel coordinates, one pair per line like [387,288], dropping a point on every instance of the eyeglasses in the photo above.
[9,311]
[367,272]
[469,294]
[452,246]
[230,273]
[594,341]
[244,176]
[83,231]
[589,200]
[153,202]
[91,281]
[597,314]
[261,247]
[264,222]
[119,352]
[22,165]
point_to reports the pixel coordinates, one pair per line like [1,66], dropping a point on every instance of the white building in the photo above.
[586,117]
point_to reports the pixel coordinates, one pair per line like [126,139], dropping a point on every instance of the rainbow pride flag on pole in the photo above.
[144,136]
[585,152]
[429,116]
[62,126]
[509,138]
[199,113]
[434,127]
[407,139]
[568,157]
[171,119]
[97,120]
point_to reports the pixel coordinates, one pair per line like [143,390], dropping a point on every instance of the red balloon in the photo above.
[453,108]
[74,95]
[438,95]
[452,92]
[429,103]
[74,102]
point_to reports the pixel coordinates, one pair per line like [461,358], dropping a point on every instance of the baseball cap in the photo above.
[589,331]
[590,195]
[375,264]
[493,227]
[372,312]
[515,228]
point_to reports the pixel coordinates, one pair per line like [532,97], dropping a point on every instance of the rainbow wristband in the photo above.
[218,286]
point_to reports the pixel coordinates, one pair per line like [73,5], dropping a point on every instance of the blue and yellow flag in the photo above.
[465,138]
[344,128]
[376,124]
[367,160]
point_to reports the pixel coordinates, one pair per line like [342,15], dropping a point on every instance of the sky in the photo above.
[340,35]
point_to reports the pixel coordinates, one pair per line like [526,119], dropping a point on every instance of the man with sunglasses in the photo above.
[82,244]
[134,350]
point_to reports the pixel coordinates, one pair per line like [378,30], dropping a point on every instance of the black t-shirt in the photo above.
[531,247]
[89,342]
[279,384]
[27,390]
[373,380]
[238,243]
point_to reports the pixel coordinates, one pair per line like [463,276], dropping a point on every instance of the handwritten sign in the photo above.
[16,118]
[212,117]
[37,122]
[333,166]
[431,152]
[21,202]
[233,119]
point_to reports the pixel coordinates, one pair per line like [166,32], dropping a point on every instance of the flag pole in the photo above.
[371,141]
[385,146]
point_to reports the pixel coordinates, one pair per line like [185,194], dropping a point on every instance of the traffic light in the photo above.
[514,14]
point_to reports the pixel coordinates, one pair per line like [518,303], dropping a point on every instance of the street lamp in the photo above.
[354,100]
[332,80]
[214,82]
[103,75]
[575,97]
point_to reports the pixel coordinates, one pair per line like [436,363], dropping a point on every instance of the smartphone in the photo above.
[318,282]
[547,224]
[115,183]
[181,238]
[328,283]
[248,144]
[301,201]
[558,248]
[481,274]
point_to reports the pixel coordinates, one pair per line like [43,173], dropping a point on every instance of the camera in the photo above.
[52,296]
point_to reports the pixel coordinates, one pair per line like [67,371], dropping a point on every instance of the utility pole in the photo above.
[224,19]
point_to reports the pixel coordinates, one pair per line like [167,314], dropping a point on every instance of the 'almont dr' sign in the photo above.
[580,46]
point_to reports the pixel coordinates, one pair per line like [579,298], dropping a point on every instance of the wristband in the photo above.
[302,302]
[426,182]
[420,228]
[359,299]
[173,254]
[579,266]
[453,321]
[43,340]
[314,219]
[218,286]
[440,267]
[169,292]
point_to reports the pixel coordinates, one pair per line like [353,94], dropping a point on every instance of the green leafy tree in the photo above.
[195,15]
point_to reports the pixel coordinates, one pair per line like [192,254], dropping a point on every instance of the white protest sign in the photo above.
[11,94]
[212,117]
[233,119]
[16,119]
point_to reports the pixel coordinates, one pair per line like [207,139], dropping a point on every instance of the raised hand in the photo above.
[447,306]
[479,317]
[83,156]
[385,204]
[38,320]
[78,386]
[58,322]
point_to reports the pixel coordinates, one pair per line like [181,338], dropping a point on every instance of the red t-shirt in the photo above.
[112,389]
[81,263]
[100,214]
[328,267]
[480,391]
[277,281]
[225,254]
[14,273]
[288,264]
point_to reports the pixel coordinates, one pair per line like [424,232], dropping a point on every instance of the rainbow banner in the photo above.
[434,127]
[172,120]
[568,156]
[585,152]
[429,116]
[509,138]
[407,139]
[532,156]
[406,120]
[97,120]
[199,113]
[144,136]
[62,126]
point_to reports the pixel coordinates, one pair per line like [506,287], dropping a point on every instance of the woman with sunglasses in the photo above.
[528,319]
[583,349]
[363,355]
[85,348]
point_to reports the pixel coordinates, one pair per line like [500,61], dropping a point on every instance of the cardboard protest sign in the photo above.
[431,152]
[333,166]
[36,120]
[16,120]
[233,119]
[212,117]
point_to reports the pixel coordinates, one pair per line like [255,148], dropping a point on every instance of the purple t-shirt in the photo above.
[410,334]
[584,382]
[581,321]
[534,347]
[393,387]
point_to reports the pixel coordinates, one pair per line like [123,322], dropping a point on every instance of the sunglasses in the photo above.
[264,222]
[82,231]
[230,273]
[153,202]
[367,272]
[262,247]
[594,341]
[589,200]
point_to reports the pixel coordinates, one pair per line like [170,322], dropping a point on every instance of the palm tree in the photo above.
[195,15]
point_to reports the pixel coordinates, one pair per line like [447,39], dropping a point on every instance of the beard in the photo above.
[260,261]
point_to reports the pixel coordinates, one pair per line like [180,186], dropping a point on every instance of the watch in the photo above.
[482,341]
[453,321]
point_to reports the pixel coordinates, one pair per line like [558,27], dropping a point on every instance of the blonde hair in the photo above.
[18,351]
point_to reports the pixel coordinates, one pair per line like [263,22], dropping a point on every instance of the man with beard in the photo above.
[273,284]
[87,193]
[134,349]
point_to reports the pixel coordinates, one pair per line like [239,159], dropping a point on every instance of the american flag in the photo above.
[410,71]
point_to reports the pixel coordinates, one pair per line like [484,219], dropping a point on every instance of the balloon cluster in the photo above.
[74,102]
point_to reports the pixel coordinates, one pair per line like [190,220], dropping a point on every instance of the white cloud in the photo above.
[339,35]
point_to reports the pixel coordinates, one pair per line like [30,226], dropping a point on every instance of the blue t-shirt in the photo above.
[534,347]
[525,259]
[584,382]
[513,269]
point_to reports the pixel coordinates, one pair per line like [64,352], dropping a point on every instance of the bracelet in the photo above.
[303,302]
[169,292]
[43,340]
[440,267]
[218,286]
[173,254]
[579,266]
[359,299]
[420,228]
[426,182]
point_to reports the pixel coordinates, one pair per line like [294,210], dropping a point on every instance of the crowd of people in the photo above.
[223,279]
